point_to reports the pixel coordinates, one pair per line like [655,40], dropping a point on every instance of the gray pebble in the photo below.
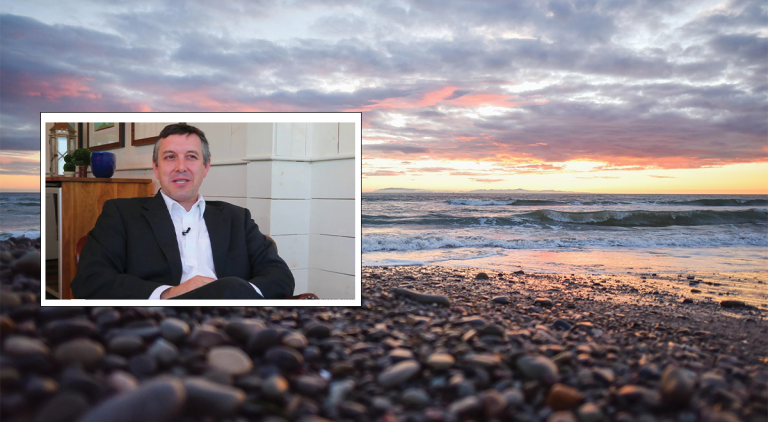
[275,386]
[285,358]
[29,264]
[83,351]
[538,367]
[206,398]
[66,406]
[422,297]
[154,401]
[231,360]
[25,346]
[440,361]
[174,329]
[127,344]
[164,352]
[398,373]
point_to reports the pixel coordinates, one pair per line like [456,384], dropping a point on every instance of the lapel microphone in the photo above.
[184,233]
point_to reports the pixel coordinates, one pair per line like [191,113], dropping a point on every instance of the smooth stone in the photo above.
[158,400]
[416,319]
[285,358]
[483,359]
[561,324]
[563,397]
[262,340]
[538,367]
[66,406]
[400,354]
[83,351]
[514,397]
[207,398]
[207,337]
[398,373]
[242,329]
[68,329]
[275,386]
[338,391]
[589,412]
[415,397]
[9,299]
[25,346]
[481,276]
[732,304]
[561,416]
[475,321]
[127,344]
[174,329]
[122,381]
[317,330]
[29,264]
[440,361]
[38,387]
[463,406]
[230,360]
[164,352]
[142,366]
[501,299]
[494,330]
[677,386]
[310,384]
[422,297]
[543,301]
[493,402]
[295,340]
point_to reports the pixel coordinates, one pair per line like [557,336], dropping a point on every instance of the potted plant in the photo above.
[69,166]
[82,159]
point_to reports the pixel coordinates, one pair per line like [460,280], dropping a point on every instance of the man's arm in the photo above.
[269,273]
[101,270]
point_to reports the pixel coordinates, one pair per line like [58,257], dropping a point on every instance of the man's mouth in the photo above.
[180,182]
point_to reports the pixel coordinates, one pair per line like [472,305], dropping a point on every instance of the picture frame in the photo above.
[106,137]
[146,133]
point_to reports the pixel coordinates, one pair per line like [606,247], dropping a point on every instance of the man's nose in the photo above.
[181,165]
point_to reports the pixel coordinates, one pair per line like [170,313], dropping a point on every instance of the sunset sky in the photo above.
[590,96]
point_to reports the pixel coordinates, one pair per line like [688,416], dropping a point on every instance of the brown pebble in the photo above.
[563,397]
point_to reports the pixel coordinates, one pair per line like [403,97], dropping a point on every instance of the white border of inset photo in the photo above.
[251,156]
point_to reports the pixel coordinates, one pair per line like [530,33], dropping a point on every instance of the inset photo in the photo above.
[201,209]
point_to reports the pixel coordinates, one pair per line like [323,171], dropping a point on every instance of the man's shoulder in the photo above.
[221,205]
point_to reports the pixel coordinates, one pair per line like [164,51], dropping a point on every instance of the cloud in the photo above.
[636,85]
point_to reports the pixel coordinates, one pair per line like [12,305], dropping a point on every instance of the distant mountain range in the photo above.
[407,190]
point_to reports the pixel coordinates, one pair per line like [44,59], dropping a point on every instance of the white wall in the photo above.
[297,180]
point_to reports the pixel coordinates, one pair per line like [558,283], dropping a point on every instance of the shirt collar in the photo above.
[170,202]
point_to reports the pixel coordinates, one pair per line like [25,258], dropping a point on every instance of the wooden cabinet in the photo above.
[81,202]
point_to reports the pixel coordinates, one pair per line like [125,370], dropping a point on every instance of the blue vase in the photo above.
[103,164]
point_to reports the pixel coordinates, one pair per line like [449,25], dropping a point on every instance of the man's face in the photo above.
[180,167]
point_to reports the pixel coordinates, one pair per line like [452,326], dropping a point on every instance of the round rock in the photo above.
[677,386]
[539,368]
[563,397]
[440,361]
[398,373]
[208,398]
[285,358]
[84,351]
[230,360]
[174,329]
[25,346]
[159,400]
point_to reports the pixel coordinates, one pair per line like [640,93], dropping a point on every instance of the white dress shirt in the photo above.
[193,240]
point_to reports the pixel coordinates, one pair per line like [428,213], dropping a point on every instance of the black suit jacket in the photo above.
[132,250]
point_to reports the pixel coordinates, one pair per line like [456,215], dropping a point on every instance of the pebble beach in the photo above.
[429,343]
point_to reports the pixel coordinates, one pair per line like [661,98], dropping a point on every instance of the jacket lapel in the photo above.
[156,212]
[218,231]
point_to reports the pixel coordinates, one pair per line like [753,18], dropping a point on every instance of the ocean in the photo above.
[721,237]
[19,215]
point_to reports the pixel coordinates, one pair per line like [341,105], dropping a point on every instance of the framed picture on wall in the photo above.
[104,136]
[146,133]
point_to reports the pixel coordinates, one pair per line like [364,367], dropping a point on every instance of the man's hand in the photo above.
[187,286]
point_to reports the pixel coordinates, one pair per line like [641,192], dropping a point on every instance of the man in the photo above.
[176,244]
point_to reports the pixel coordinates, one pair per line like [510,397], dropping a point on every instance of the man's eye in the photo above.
[169,157]
[192,157]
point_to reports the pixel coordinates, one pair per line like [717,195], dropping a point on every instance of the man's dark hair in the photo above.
[183,129]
